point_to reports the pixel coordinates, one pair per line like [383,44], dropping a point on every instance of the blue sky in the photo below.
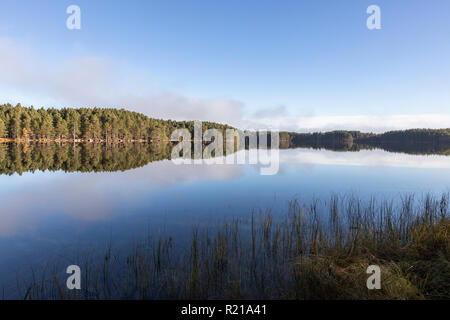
[297,65]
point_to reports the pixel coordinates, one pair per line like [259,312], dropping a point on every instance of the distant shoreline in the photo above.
[83,125]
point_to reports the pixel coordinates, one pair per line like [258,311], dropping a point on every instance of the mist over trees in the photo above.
[88,124]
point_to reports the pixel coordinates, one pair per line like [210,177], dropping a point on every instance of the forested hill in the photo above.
[96,124]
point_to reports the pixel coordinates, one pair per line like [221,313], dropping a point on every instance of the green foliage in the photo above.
[93,124]
[79,157]
[3,131]
[414,141]
[341,136]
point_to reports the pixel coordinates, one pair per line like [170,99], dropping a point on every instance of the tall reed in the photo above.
[319,250]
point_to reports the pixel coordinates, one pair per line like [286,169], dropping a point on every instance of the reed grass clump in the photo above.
[319,250]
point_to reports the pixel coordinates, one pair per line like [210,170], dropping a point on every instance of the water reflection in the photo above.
[124,183]
[89,157]
[31,198]
[58,196]
[92,157]
[366,158]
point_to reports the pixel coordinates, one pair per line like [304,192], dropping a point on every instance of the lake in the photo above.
[61,213]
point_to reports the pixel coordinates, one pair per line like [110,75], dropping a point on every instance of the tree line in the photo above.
[116,125]
[413,141]
[88,124]
[345,136]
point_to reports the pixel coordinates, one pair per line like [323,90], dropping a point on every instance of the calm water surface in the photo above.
[48,214]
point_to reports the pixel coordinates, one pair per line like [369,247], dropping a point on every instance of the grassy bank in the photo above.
[319,250]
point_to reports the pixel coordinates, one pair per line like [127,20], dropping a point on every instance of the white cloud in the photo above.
[363,158]
[173,106]
[271,112]
[365,123]
[98,81]
[103,194]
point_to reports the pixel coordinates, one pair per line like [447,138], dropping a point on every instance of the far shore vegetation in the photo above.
[318,250]
[87,125]
[27,124]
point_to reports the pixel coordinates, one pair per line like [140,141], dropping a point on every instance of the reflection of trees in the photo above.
[337,143]
[419,149]
[425,149]
[83,157]
[98,157]
[415,141]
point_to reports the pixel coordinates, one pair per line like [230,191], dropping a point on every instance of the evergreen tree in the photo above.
[3,131]
[15,124]
[26,124]
[96,124]
[46,125]
[61,130]
[73,123]
[96,127]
